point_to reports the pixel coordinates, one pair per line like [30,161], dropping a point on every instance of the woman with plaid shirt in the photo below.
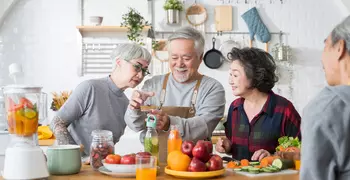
[259,117]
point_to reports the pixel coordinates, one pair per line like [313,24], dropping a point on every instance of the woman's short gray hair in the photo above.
[342,31]
[129,51]
[189,33]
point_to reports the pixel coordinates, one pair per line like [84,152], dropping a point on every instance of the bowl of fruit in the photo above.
[122,164]
[194,161]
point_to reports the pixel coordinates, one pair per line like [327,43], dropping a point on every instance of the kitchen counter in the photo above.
[87,173]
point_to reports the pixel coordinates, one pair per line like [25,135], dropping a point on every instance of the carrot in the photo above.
[231,164]
[244,162]
[266,161]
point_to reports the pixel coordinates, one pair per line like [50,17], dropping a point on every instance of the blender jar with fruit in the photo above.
[22,112]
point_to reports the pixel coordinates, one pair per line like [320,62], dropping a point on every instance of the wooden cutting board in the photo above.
[283,172]
[223,18]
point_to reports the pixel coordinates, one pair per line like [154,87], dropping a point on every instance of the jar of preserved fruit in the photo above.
[101,145]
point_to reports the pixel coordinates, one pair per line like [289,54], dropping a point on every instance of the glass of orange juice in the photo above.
[146,167]
[174,139]
[297,164]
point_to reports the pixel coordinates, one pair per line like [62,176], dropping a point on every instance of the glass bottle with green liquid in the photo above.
[151,143]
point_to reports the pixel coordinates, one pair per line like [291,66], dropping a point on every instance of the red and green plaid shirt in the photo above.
[277,118]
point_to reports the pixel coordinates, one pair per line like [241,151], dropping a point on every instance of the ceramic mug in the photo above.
[63,159]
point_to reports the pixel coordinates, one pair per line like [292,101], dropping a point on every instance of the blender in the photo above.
[24,159]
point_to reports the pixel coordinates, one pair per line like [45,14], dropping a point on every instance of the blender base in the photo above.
[25,163]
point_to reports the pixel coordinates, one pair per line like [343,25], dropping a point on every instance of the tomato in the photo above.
[113,159]
[26,103]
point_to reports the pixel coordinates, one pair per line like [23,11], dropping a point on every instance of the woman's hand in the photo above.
[138,98]
[223,145]
[260,154]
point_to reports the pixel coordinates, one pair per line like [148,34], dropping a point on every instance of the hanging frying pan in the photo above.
[213,58]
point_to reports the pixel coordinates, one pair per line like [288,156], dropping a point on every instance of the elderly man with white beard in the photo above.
[195,103]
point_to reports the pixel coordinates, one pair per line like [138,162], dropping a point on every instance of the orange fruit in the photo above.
[178,161]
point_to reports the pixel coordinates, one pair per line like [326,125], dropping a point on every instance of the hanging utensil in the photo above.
[213,58]
[256,27]
[196,15]
[227,46]
[223,18]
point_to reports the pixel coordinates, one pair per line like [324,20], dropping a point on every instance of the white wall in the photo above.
[345,5]
[41,34]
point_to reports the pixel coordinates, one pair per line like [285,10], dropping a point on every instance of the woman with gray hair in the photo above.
[101,103]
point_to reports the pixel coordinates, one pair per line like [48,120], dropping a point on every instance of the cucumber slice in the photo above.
[246,168]
[237,169]
[254,170]
[254,163]
[273,169]
[277,163]
[266,170]
[283,164]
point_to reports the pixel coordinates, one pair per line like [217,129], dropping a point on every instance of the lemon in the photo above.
[154,141]
[29,113]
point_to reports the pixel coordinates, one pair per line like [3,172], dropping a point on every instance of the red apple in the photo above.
[197,165]
[201,151]
[209,146]
[128,159]
[215,163]
[187,147]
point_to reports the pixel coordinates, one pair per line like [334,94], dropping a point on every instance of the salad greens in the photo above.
[285,142]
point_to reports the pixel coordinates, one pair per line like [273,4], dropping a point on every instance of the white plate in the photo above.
[103,170]
[120,168]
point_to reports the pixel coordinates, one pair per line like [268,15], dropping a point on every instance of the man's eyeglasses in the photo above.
[138,67]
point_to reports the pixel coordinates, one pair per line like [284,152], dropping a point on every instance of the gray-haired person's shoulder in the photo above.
[210,82]
[327,107]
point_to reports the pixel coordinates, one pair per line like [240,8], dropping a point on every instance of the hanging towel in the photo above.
[256,26]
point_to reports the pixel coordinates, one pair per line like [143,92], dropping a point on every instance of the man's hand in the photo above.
[138,98]
[163,120]
[223,145]
[260,154]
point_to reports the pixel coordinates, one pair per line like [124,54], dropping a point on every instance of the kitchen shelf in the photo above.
[83,29]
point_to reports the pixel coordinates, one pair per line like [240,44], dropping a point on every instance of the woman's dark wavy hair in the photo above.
[258,65]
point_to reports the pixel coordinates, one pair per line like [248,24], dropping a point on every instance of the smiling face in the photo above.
[184,61]
[238,80]
[132,72]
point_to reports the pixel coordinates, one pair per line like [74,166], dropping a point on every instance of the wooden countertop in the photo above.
[87,173]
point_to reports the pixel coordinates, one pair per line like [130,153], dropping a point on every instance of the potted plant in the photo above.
[135,24]
[173,8]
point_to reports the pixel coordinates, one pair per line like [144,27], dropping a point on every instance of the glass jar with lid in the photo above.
[101,145]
